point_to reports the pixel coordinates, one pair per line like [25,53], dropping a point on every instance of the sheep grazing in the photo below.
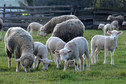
[49,26]
[106,43]
[69,29]
[124,24]
[52,44]
[105,28]
[1,28]
[20,43]
[34,26]
[119,18]
[41,54]
[75,49]
[115,25]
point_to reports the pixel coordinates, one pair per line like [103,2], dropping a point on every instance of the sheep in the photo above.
[20,43]
[1,28]
[105,28]
[34,26]
[119,18]
[41,54]
[75,49]
[69,29]
[124,24]
[115,25]
[49,26]
[106,43]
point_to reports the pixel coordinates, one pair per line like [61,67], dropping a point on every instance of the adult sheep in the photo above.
[115,25]
[34,26]
[119,18]
[49,26]
[1,28]
[20,43]
[69,29]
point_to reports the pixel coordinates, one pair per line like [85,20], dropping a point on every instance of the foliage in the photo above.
[99,73]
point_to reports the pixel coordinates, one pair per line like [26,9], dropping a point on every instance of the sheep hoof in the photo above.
[17,70]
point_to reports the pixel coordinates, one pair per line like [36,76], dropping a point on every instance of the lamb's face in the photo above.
[114,34]
[42,32]
[64,54]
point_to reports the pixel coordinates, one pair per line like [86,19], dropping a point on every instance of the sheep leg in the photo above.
[18,67]
[76,65]
[35,63]
[81,63]
[112,57]
[105,56]
[57,58]
[37,66]
[92,56]
[88,60]
[38,33]
[65,65]
[97,51]
[9,57]
[31,31]
[1,34]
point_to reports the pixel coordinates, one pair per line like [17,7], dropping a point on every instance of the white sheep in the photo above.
[34,26]
[105,28]
[20,43]
[75,49]
[41,54]
[52,44]
[106,43]
[115,25]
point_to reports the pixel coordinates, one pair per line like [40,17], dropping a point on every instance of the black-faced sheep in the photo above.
[20,43]
[1,28]
[34,26]
[119,18]
[49,26]
[69,29]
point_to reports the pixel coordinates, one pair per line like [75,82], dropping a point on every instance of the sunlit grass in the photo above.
[99,73]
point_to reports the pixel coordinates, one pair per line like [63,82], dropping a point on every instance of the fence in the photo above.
[22,16]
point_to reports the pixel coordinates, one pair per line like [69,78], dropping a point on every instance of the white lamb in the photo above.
[34,26]
[75,49]
[105,28]
[52,44]
[41,54]
[106,43]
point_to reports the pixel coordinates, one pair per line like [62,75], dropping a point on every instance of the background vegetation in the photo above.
[99,73]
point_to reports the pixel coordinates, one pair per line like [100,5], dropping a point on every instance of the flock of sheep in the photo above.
[67,43]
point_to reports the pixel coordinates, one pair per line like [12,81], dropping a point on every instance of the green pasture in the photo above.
[99,73]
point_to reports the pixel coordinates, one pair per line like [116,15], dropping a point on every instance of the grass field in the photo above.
[99,73]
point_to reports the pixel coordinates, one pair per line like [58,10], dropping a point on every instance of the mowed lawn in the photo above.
[99,73]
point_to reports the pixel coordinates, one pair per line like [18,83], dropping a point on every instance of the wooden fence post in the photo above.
[4,12]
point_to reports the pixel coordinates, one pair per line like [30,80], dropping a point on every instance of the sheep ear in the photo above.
[18,60]
[120,32]
[46,60]
[57,51]
[109,32]
[69,51]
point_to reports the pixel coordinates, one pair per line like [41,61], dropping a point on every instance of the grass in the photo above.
[99,73]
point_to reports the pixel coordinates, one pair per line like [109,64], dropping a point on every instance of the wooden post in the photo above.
[4,12]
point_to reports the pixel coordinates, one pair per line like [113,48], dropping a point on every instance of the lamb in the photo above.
[20,43]
[69,29]
[75,49]
[1,28]
[105,28]
[119,18]
[49,26]
[41,54]
[34,26]
[52,44]
[115,25]
[106,43]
